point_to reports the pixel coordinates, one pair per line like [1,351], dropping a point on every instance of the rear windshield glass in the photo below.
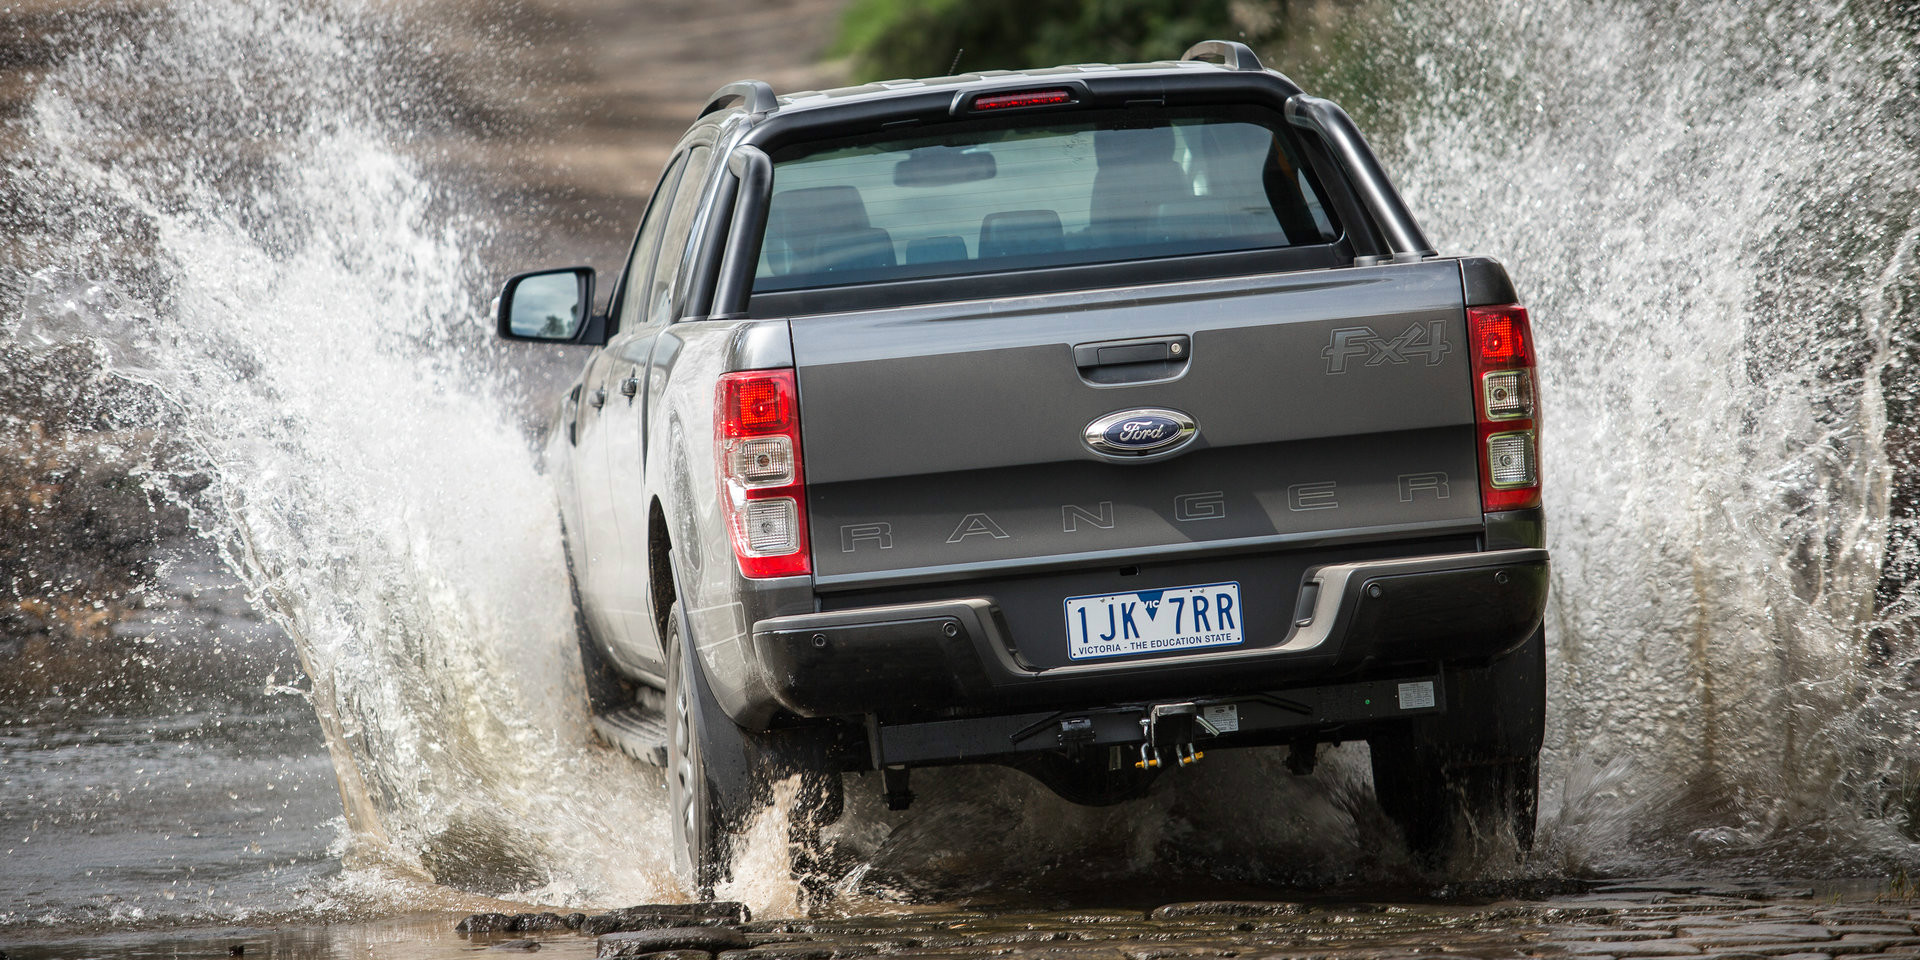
[1036,195]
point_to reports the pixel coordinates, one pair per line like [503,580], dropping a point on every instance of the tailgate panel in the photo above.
[1328,402]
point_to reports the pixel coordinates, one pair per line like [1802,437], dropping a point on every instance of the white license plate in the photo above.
[1153,621]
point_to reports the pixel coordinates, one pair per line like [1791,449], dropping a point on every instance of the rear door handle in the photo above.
[599,397]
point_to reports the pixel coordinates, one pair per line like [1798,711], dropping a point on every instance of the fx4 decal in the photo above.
[1423,338]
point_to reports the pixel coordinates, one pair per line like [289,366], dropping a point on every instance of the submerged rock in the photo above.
[545,921]
[1227,908]
[485,923]
[519,922]
[639,943]
[527,945]
[654,916]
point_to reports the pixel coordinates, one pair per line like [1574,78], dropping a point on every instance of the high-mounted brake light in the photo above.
[1024,98]
[756,441]
[1505,407]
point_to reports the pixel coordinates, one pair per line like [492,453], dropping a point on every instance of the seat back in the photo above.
[1020,233]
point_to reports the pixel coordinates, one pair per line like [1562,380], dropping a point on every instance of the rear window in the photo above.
[986,200]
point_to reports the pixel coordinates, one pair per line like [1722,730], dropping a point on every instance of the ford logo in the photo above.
[1146,432]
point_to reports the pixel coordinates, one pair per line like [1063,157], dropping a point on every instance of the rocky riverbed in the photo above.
[1632,919]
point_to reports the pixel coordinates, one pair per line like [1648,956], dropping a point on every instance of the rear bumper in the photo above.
[921,662]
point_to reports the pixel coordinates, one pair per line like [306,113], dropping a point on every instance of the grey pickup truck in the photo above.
[1082,420]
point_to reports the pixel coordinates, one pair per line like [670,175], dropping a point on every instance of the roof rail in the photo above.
[755,95]
[1232,55]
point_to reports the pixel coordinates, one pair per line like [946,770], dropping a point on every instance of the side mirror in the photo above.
[546,306]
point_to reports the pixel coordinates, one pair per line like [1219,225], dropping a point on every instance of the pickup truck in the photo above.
[1082,420]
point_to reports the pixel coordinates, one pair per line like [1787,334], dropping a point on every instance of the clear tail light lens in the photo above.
[1510,461]
[1505,407]
[1507,394]
[772,527]
[756,440]
[763,461]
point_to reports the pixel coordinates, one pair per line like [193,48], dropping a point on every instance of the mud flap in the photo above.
[1445,777]
[724,747]
[743,766]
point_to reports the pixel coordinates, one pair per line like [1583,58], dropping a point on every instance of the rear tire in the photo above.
[1445,800]
[702,851]
[1466,779]
[703,824]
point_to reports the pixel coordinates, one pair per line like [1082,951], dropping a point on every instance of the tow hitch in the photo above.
[1173,725]
[1160,733]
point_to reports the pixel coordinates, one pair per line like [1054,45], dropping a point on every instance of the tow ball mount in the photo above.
[1174,726]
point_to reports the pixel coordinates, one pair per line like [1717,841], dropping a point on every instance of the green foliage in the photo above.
[920,38]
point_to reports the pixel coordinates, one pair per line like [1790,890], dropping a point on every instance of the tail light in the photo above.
[756,439]
[1506,407]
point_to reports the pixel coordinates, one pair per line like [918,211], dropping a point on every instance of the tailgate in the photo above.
[952,441]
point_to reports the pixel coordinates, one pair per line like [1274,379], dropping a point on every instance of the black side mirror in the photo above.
[546,306]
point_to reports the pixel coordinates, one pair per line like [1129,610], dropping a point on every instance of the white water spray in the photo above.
[1711,210]
[304,311]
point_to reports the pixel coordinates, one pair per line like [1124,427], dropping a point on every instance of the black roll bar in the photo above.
[753,169]
[1390,213]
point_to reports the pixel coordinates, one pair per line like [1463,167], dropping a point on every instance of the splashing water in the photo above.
[229,209]
[1709,209]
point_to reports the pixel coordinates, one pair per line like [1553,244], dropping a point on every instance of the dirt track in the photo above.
[591,95]
[554,115]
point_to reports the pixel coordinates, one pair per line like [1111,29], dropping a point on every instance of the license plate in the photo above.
[1153,621]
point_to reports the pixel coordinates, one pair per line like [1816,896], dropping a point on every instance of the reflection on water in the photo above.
[210,815]
[192,785]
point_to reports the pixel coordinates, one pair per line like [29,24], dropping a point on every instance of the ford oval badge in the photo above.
[1142,433]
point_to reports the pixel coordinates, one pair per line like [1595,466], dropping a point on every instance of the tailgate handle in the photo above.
[1133,361]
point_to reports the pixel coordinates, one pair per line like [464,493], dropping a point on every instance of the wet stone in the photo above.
[791,951]
[545,921]
[1606,933]
[655,916]
[756,938]
[518,922]
[1227,908]
[1628,948]
[1650,924]
[1760,932]
[639,943]
[521,945]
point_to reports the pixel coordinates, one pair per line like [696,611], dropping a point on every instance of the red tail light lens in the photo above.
[1506,407]
[756,404]
[1501,338]
[756,442]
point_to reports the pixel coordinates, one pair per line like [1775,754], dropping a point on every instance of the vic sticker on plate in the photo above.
[1153,621]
